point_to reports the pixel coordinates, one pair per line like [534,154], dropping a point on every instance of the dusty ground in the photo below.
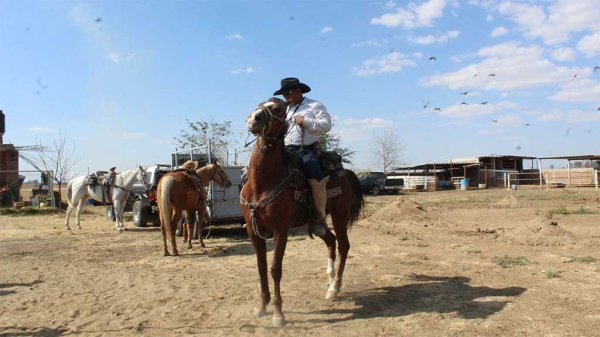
[422,264]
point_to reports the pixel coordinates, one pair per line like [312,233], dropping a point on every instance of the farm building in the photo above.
[484,171]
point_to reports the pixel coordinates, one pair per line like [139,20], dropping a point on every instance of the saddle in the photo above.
[104,179]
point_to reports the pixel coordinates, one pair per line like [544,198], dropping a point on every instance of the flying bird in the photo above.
[495,120]
[599,108]
[98,20]
[425,105]
[465,93]
[484,103]
[464,103]
[432,58]
[437,109]
[526,124]
[596,68]
[575,76]
[476,74]
[492,75]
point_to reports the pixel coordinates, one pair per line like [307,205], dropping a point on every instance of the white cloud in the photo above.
[572,116]
[431,39]
[590,44]
[370,43]
[389,63]
[563,54]
[489,17]
[499,31]
[236,36]
[118,57]
[42,129]
[555,23]
[247,70]
[364,122]
[326,29]
[421,15]
[514,67]
[580,90]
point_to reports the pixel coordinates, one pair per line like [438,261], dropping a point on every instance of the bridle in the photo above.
[220,172]
[266,129]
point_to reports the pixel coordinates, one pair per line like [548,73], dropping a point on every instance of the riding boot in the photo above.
[319,194]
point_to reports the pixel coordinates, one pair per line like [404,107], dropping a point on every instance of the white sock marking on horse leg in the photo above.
[331,269]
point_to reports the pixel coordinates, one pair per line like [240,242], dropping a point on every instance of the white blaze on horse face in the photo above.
[251,122]
[269,104]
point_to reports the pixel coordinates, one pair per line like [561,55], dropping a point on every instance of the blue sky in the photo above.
[119,78]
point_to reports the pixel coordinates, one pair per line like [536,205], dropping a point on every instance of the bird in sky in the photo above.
[484,103]
[437,109]
[596,68]
[495,120]
[599,108]
[492,75]
[575,76]
[465,92]
[526,124]
[432,58]
[98,20]
[425,105]
[464,103]
[476,74]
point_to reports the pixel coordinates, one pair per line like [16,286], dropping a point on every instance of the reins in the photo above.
[253,206]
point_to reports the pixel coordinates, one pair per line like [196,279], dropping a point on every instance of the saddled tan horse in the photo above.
[269,206]
[180,191]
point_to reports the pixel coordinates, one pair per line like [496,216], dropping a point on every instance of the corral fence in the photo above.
[556,178]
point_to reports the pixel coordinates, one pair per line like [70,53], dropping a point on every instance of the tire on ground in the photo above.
[140,214]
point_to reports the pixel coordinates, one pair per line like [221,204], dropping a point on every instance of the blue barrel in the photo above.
[464,184]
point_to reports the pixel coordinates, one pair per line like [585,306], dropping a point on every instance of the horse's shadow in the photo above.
[11,285]
[428,294]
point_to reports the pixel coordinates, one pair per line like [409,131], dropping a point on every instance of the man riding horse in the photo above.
[307,119]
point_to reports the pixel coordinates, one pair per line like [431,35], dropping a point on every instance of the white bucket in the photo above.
[482,186]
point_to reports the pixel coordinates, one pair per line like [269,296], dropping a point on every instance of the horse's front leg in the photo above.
[119,208]
[260,247]
[329,239]
[280,242]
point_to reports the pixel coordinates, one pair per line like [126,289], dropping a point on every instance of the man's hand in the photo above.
[299,120]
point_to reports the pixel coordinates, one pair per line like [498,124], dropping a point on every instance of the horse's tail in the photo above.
[358,200]
[70,193]
[165,209]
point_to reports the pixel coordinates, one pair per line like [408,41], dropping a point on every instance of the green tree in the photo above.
[331,142]
[198,134]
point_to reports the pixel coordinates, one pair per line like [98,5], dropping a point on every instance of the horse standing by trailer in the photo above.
[180,191]
[269,205]
[78,191]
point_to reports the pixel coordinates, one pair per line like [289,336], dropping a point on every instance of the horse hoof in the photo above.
[68,228]
[331,294]
[278,321]
[259,312]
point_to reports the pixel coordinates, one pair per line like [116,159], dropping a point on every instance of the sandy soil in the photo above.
[449,263]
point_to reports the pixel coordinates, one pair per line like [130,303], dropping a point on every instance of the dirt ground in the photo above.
[448,263]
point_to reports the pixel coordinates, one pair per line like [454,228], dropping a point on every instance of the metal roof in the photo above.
[578,157]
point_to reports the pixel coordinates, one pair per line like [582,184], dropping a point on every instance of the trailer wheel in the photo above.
[376,190]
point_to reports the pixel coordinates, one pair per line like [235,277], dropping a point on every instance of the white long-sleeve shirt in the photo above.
[316,120]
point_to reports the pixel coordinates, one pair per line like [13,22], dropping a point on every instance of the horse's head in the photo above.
[141,174]
[268,119]
[220,177]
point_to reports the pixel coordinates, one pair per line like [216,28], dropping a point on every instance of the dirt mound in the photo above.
[400,210]
[542,232]
[510,201]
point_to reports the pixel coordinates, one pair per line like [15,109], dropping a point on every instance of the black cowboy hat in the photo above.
[290,83]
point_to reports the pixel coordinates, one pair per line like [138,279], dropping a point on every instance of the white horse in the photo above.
[78,193]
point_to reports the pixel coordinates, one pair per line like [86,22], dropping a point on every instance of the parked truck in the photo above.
[380,182]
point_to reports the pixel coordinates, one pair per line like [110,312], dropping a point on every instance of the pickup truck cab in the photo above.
[378,182]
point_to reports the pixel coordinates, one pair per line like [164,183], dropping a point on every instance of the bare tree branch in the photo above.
[386,150]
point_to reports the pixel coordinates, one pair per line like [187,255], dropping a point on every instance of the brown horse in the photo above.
[269,206]
[180,191]
[208,173]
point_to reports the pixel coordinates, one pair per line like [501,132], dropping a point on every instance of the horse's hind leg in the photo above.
[343,248]
[175,219]
[189,228]
[163,229]
[69,210]
[200,222]
[78,212]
